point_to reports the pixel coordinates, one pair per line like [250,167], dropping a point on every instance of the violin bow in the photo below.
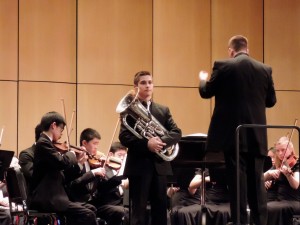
[64,111]
[287,146]
[111,141]
[71,122]
[1,135]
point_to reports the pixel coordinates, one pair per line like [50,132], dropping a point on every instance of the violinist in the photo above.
[48,182]
[110,193]
[84,182]
[285,180]
[26,157]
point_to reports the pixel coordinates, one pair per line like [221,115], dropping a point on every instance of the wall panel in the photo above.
[8,115]
[48,40]
[97,109]
[284,112]
[38,98]
[181,41]
[8,39]
[237,17]
[114,40]
[282,45]
[190,112]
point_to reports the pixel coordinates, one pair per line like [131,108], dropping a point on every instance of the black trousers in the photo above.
[5,218]
[252,188]
[80,214]
[149,187]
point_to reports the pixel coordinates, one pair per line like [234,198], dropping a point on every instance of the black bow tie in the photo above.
[145,104]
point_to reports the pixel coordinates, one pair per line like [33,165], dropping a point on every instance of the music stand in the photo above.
[5,160]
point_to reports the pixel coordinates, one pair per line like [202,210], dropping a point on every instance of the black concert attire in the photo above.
[147,173]
[48,192]
[243,88]
[109,199]
[287,202]
[217,198]
[5,218]
[272,190]
[26,163]
[185,207]
[82,185]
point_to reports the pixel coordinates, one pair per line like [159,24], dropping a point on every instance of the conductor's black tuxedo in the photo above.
[146,171]
[243,88]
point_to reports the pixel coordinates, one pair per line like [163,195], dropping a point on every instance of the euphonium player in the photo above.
[145,170]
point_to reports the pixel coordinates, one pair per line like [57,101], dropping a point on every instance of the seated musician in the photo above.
[186,209]
[109,196]
[5,217]
[285,177]
[26,157]
[185,206]
[271,189]
[47,188]
[83,182]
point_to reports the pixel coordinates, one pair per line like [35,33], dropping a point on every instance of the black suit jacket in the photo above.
[139,158]
[243,88]
[48,191]
[108,190]
[81,184]
[26,163]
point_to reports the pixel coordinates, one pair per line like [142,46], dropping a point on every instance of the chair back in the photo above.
[16,188]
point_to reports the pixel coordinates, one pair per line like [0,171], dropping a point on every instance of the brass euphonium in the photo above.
[146,125]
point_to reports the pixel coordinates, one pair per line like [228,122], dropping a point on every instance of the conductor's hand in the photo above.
[155,144]
[203,75]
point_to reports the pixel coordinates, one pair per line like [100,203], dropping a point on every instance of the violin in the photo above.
[63,148]
[97,160]
[114,163]
[291,162]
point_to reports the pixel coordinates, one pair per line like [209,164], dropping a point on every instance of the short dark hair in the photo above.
[51,117]
[138,75]
[238,42]
[116,146]
[89,134]
[38,130]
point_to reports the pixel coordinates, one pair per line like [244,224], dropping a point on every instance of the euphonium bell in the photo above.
[146,125]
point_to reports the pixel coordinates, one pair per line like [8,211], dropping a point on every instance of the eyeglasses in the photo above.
[62,127]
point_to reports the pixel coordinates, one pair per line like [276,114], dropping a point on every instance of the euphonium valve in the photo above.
[145,125]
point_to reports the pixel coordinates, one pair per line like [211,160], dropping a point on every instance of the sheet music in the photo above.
[195,135]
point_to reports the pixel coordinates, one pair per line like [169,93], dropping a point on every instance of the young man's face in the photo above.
[57,131]
[145,86]
[120,153]
[92,145]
